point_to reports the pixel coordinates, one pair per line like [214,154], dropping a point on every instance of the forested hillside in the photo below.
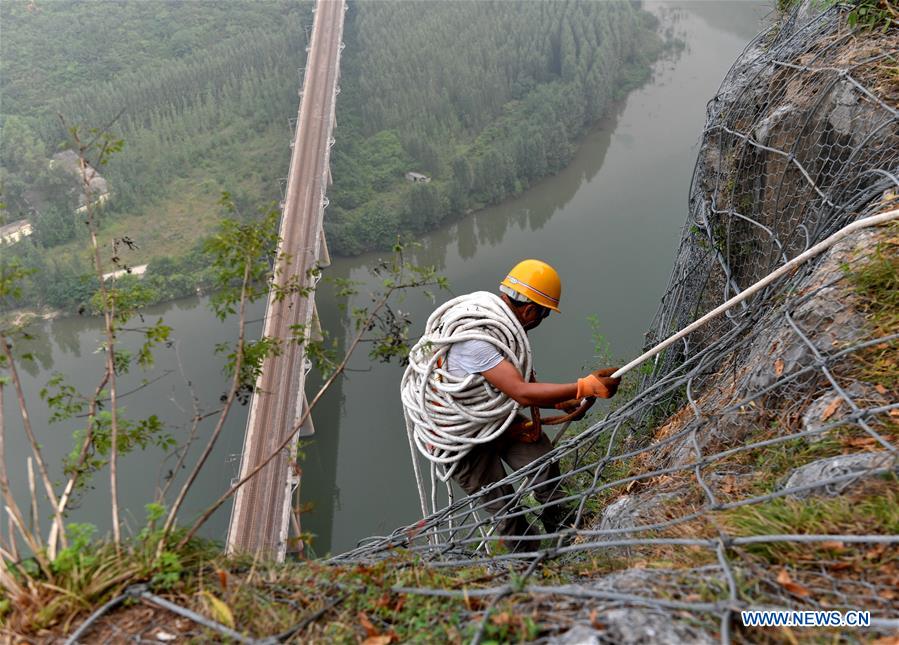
[183,79]
[201,92]
[482,97]
[54,48]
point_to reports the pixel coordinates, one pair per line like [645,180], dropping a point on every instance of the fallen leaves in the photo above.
[832,407]
[876,552]
[785,581]
[864,443]
[887,640]
[729,485]
[502,618]
[220,611]
[844,565]
[373,634]
[367,625]
[471,604]
[383,639]
[413,531]
[778,367]
[595,623]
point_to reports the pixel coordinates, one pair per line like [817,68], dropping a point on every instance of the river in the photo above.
[609,223]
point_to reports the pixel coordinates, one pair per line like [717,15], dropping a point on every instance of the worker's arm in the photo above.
[508,380]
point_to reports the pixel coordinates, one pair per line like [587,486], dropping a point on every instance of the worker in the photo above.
[531,290]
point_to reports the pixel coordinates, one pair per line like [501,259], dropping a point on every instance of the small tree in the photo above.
[246,264]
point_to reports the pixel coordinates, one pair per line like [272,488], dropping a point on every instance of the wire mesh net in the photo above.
[749,466]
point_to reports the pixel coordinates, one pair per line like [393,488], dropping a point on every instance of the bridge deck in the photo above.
[261,513]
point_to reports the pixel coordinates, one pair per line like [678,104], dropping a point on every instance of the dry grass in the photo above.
[329,603]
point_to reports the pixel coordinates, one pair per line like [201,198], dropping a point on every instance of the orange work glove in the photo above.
[599,383]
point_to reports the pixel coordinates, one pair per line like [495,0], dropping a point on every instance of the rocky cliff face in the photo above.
[775,461]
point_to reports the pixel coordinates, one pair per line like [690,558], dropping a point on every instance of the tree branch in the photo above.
[82,454]
[12,509]
[5,347]
[109,326]
[296,428]
[181,451]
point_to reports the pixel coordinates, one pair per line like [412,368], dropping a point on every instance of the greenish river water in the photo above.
[609,223]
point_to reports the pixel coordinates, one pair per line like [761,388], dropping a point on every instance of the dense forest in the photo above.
[484,98]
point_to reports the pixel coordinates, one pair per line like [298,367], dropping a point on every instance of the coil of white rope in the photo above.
[447,415]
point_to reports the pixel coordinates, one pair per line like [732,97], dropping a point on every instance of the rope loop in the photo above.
[447,415]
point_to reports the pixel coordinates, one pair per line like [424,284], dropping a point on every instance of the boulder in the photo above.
[825,470]
[638,626]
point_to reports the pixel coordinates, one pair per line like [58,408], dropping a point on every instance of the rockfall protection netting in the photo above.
[754,466]
[744,449]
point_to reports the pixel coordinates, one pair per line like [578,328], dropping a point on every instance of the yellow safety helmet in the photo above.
[536,281]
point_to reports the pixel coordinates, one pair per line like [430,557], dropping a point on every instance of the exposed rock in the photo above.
[849,115]
[830,408]
[620,513]
[627,512]
[825,315]
[682,453]
[824,470]
[646,626]
[578,635]
[749,79]
[809,16]
[808,11]
[844,103]
[634,581]
[763,129]
[631,625]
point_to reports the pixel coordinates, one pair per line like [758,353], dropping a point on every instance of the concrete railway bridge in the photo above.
[262,517]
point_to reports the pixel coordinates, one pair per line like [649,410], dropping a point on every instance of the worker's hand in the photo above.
[603,387]
[569,406]
[605,375]
[572,405]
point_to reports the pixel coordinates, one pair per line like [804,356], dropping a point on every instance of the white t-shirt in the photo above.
[472,357]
